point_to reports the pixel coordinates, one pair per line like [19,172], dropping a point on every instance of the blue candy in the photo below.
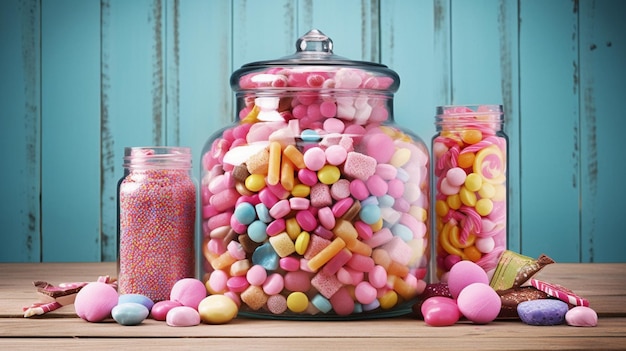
[402,231]
[309,135]
[245,213]
[370,214]
[266,257]
[137,298]
[129,313]
[542,312]
[257,231]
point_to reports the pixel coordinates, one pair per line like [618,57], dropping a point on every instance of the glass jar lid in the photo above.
[314,66]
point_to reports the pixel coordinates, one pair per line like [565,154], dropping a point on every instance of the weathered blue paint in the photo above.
[84,79]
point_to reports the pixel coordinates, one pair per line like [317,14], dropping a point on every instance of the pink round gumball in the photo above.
[189,292]
[95,301]
[464,273]
[479,303]
[440,311]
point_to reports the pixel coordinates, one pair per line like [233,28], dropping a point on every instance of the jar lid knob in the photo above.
[314,41]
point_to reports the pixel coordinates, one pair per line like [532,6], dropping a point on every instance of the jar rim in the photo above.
[157,157]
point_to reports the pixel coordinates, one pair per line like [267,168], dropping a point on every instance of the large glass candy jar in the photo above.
[470,177]
[314,203]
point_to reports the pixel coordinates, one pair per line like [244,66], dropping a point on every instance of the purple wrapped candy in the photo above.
[542,312]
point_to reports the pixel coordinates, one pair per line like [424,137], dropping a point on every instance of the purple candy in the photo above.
[542,312]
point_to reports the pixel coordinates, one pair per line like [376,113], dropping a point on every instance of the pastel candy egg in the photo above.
[182,316]
[542,312]
[138,298]
[479,303]
[581,316]
[129,313]
[439,311]
[95,301]
[464,273]
[456,176]
[189,292]
[160,309]
[217,309]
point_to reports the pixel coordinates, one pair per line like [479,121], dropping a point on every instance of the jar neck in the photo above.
[157,157]
[488,118]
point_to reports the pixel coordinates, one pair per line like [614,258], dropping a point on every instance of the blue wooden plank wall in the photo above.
[82,79]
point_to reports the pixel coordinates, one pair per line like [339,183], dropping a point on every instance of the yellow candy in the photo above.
[273,166]
[419,213]
[444,241]
[217,309]
[297,302]
[329,174]
[388,300]
[302,242]
[320,259]
[471,136]
[454,201]
[441,208]
[400,157]
[491,164]
[484,207]
[293,228]
[255,182]
[456,241]
[468,198]
[300,190]
[473,182]
[377,226]
[487,191]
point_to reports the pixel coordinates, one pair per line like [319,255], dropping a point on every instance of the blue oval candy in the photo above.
[542,312]
[129,313]
[137,298]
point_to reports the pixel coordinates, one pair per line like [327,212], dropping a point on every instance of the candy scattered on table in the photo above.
[129,313]
[439,311]
[95,301]
[542,312]
[581,316]
[560,292]
[217,309]
[160,309]
[463,274]
[479,303]
[183,316]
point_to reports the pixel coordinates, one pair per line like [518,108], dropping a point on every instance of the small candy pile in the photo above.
[188,305]
[311,204]
[471,294]
[469,162]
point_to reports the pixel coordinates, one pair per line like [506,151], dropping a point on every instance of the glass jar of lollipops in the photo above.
[314,202]
[469,154]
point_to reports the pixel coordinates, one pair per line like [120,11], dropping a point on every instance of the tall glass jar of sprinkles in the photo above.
[314,202]
[470,181]
[157,216]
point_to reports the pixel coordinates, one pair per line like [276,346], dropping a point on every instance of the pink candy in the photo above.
[340,209]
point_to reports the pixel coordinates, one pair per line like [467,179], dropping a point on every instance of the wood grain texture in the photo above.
[603,284]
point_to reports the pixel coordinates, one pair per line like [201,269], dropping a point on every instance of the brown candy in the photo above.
[512,297]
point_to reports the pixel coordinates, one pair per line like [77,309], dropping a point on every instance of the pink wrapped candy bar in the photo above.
[327,198]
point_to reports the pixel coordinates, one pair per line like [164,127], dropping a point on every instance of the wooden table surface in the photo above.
[603,284]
